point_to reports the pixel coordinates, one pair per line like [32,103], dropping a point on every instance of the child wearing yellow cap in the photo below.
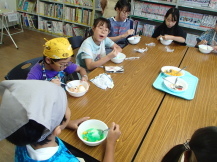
[56,64]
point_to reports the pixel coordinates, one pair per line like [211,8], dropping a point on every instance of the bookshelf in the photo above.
[59,17]
[196,16]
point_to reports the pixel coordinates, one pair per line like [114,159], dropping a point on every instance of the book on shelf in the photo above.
[20,4]
[79,15]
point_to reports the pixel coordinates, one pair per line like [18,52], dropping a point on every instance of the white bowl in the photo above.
[119,58]
[165,70]
[75,84]
[88,124]
[165,42]
[168,82]
[205,48]
[134,40]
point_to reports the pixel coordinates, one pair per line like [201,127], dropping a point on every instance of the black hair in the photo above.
[101,21]
[203,144]
[30,133]
[121,4]
[175,15]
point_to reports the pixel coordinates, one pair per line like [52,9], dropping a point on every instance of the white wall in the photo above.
[9,4]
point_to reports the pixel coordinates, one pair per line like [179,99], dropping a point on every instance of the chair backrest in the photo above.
[75,41]
[20,71]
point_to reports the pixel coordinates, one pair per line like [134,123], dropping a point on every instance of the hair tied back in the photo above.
[186,144]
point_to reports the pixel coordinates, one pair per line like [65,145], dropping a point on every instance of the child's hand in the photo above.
[114,133]
[84,78]
[129,32]
[56,81]
[158,38]
[113,53]
[73,124]
[202,42]
[215,48]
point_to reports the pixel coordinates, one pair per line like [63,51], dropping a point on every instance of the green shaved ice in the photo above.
[92,135]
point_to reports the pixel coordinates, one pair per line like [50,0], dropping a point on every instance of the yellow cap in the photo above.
[58,48]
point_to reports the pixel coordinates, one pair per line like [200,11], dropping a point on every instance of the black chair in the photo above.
[21,70]
[75,41]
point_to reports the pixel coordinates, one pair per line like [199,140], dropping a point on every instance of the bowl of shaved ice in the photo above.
[90,132]
[77,88]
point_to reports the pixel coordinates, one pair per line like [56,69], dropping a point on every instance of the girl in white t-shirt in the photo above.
[92,52]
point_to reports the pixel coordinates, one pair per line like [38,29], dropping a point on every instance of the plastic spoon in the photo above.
[181,69]
[102,131]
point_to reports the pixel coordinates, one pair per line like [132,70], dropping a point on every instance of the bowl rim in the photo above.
[121,58]
[205,49]
[174,77]
[77,92]
[135,37]
[96,142]
[169,67]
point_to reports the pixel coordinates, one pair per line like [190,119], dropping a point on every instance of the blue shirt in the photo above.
[208,36]
[119,28]
[62,155]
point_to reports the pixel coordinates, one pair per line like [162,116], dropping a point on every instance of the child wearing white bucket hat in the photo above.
[33,113]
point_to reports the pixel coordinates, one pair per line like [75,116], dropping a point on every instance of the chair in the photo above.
[20,71]
[75,41]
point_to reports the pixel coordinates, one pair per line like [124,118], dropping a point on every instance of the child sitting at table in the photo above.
[92,52]
[209,37]
[170,29]
[56,64]
[121,26]
[33,113]
[202,147]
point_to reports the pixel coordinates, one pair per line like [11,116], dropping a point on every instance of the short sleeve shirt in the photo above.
[90,50]
[36,71]
[208,36]
[62,154]
[162,30]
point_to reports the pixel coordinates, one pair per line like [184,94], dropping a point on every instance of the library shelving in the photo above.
[59,17]
[196,16]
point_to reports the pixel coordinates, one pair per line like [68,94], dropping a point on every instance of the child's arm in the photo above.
[103,4]
[117,47]
[113,135]
[90,64]
[125,35]
[175,38]
[215,48]
[202,42]
[83,73]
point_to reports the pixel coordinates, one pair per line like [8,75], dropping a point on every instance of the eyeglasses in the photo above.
[104,29]
[61,65]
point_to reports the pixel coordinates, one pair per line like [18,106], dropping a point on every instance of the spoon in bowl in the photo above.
[102,131]
[174,84]
[181,69]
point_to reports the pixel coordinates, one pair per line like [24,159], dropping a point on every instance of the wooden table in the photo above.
[132,103]
[177,118]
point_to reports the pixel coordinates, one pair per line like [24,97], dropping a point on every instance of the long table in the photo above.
[132,103]
[177,118]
